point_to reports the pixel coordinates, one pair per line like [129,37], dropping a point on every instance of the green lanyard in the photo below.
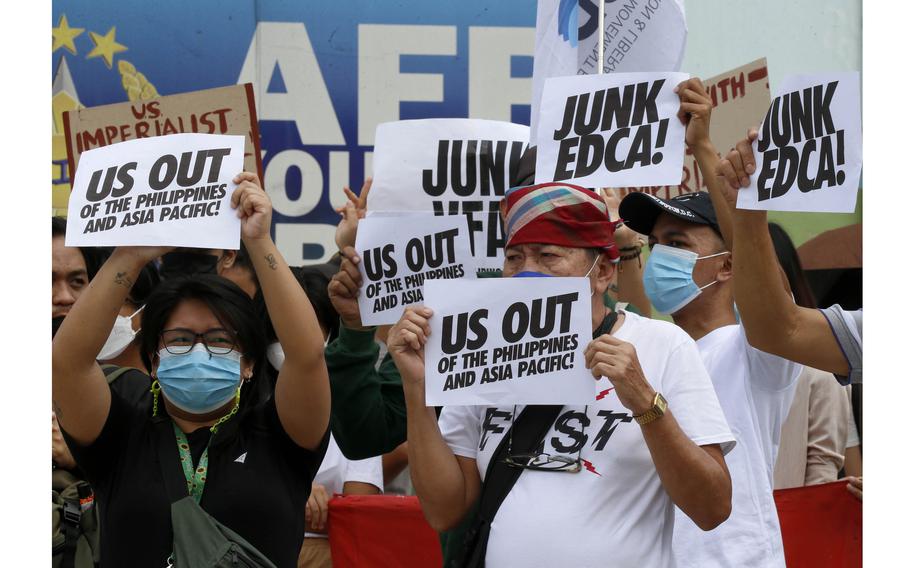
[195,478]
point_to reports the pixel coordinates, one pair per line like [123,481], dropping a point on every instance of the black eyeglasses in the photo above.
[543,461]
[181,341]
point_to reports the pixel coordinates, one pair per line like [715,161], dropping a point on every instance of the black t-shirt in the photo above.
[258,483]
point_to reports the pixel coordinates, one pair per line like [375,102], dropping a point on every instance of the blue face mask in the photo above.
[668,278]
[199,382]
[531,274]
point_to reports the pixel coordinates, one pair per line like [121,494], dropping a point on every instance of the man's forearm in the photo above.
[708,159]
[435,471]
[695,480]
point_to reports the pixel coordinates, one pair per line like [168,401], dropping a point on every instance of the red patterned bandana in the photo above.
[558,214]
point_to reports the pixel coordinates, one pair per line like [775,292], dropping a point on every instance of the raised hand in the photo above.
[253,207]
[352,212]
[345,287]
[617,360]
[406,342]
[695,111]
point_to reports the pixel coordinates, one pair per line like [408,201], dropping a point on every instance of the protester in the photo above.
[71,270]
[122,345]
[368,411]
[204,346]
[830,339]
[814,436]
[615,510]
[336,476]
[690,276]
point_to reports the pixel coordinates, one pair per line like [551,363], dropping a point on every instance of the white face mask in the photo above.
[120,338]
[275,354]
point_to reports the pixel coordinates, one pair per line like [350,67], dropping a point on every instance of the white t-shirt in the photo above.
[755,390]
[336,470]
[614,512]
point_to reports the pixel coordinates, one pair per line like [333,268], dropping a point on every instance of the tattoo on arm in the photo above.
[123,279]
[270,258]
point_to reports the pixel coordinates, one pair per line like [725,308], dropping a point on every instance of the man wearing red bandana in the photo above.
[655,436]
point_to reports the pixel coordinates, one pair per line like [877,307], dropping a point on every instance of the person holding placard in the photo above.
[830,339]
[205,346]
[690,276]
[599,490]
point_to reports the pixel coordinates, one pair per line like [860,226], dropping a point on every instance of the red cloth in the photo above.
[381,530]
[558,214]
[821,525]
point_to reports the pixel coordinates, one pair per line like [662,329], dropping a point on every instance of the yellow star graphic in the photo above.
[64,35]
[105,46]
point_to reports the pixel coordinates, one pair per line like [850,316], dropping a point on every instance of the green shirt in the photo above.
[368,411]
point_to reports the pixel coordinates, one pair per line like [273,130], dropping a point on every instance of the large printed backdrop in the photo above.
[325,74]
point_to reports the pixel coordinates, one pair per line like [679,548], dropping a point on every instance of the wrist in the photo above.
[258,244]
[356,325]
[129,259]
[703,148]
[643,401]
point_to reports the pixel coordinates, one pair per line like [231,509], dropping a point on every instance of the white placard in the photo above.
[162,191]
[398,254]
[450,166]
[611,130]
[809,151]
[637,37]
[508,341]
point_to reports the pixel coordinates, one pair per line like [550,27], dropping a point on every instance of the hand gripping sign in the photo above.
[168,190]
[395,263]
[450,166]
[611,130]
[809,151]
[508,341]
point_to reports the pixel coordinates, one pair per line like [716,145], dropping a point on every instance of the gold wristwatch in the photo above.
[658,408]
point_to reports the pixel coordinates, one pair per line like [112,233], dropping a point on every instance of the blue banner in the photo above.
[324,73]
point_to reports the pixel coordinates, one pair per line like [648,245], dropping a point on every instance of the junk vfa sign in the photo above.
[450,167]
[809,151]
[168,190]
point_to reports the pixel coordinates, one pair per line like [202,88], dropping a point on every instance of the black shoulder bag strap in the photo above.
[527,432]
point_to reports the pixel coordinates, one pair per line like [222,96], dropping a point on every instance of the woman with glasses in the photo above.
[247,453]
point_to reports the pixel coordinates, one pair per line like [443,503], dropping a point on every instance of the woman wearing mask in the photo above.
[247,454]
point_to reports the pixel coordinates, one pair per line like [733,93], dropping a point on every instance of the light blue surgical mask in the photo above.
[668,278]
[198,381]
[531,274]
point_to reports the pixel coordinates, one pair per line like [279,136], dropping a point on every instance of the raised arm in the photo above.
[695,477]
[302,392]
[695,112]
[447,485]
[81,394]
[368,409]
[773,322]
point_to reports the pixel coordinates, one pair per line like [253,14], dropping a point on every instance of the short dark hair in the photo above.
[94,257]
[315,282]
[233,308]
[146,283]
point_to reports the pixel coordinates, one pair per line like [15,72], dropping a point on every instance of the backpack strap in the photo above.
[114,372]
[72,523]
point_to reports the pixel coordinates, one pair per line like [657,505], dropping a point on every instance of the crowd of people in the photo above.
[232,383]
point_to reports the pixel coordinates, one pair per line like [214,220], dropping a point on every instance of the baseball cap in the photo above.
[639,211]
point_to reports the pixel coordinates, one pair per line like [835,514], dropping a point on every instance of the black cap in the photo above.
[639,211]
